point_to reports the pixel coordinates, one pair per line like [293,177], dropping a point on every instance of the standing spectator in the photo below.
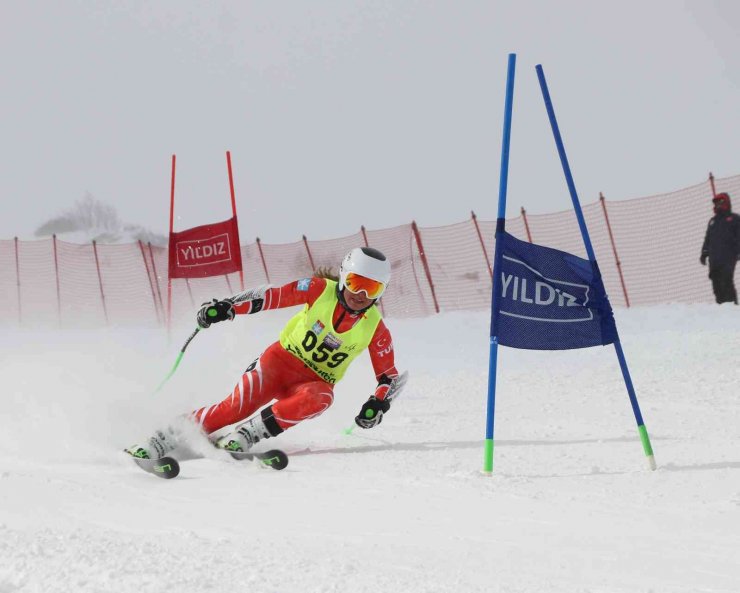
[722,247]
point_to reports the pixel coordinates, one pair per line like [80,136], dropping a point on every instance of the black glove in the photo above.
[214,312]
[372,412]
[703,259]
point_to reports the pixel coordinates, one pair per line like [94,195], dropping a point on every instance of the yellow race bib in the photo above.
[311,337]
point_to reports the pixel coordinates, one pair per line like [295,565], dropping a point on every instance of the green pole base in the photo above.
[647,447]
[488,457]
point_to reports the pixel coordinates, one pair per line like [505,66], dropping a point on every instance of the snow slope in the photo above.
[571,506]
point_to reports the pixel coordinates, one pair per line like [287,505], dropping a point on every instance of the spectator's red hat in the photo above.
[722,202]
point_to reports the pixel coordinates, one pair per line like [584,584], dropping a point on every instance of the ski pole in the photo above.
[179,358]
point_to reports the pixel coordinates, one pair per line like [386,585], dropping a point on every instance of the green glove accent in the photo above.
[212,312]
[369,413]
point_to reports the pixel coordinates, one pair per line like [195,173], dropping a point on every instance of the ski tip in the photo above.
[275,459]
[166,467]
[171,470]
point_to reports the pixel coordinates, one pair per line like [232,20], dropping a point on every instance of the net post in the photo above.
[526,224]
[100,281]
[482,243]
[56,271]
[262,257]
[156,279]
[614,249]
[149,277]
[424,262]
[310,257]
[18,281]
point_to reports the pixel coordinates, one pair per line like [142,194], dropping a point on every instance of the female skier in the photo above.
[339,321]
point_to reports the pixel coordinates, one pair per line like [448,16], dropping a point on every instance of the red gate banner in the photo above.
[208,250]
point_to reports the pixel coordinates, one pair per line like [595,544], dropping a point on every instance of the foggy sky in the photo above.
[342,113]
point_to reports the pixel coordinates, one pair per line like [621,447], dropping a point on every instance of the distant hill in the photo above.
[90,219]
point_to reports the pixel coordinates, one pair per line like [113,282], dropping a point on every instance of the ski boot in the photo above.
[137,451]
[159,445]
[251,432]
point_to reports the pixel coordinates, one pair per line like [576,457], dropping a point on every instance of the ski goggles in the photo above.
[356,284]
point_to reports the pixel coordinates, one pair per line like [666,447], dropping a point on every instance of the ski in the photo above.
[168,467]
[165,467]
[274,458]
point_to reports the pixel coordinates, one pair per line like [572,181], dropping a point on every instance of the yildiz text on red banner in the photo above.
[208,250]
[203,252]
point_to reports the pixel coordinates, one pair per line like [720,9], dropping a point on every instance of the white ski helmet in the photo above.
[366,262]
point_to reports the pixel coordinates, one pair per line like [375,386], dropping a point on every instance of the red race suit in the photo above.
[279,375]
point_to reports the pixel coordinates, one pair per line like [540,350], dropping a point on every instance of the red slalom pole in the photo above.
[172,223]
[233,210]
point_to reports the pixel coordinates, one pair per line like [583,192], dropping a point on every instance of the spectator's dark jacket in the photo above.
[722,241]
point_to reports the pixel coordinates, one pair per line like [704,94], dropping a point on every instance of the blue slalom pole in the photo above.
[564,162]
[495,292]
[644,438]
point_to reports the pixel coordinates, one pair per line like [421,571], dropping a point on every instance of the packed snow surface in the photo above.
[571,506]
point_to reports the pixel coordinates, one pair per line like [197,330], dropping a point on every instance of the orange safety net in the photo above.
[658,241]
